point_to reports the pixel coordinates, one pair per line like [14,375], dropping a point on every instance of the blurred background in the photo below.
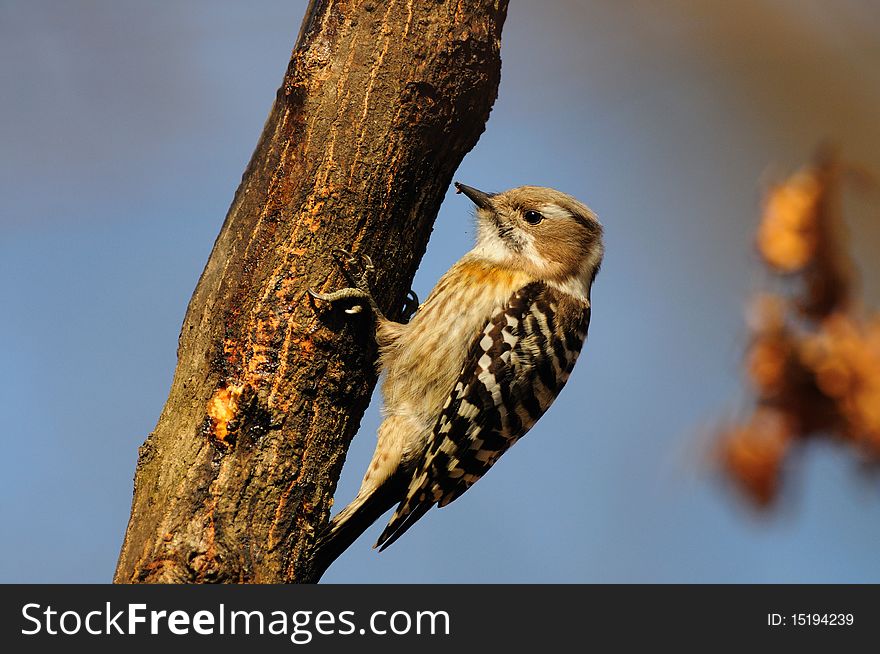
[125,127]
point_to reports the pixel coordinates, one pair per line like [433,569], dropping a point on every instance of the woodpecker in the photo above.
[480,361]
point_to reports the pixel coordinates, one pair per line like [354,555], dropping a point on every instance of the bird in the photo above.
[479,362]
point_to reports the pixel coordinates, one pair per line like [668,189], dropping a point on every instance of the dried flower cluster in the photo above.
[813,361]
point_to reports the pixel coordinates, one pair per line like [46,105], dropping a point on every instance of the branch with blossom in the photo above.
[813,360]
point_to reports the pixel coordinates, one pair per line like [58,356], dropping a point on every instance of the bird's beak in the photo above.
[482,200]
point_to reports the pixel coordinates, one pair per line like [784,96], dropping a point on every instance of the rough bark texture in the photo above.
[379,104]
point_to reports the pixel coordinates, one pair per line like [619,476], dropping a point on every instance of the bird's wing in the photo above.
[515,368]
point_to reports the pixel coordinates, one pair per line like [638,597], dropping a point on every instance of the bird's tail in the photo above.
[345,528]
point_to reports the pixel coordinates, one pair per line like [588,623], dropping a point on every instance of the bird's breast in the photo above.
[425,361]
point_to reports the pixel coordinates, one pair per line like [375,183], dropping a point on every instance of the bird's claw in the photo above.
[356,266]
[410,306]
[318,296]
[359,296]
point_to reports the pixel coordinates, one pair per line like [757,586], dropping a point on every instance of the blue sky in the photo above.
[125,130]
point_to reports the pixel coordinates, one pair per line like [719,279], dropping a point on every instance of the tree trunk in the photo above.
[379,104]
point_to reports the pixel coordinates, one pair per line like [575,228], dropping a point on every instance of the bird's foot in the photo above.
[347,295]
[410,306]
[357,268]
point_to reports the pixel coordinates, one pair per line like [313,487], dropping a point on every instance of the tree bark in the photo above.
[379,104]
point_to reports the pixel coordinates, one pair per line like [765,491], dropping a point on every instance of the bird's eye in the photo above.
[533,217]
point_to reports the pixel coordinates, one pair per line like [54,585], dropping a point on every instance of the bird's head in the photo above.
[547,233]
